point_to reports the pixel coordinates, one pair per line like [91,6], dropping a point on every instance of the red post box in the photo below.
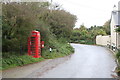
[34,44]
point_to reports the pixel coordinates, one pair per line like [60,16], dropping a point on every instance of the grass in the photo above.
[10,60]
[14,61]
[63,50]
[118,66]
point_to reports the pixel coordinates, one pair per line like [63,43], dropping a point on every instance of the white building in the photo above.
[115,23]
[112,40]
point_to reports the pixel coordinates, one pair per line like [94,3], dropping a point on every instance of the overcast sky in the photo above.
[89,12]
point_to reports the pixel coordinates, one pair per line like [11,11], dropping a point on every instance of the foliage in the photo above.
[85,35]
[63,50]
[118,63]
[118,29]
[14,60]
[106,27]
[61,23]
[10,60]
[118,54]
[19,19]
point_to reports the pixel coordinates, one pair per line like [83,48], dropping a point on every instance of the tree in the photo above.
[87,35]
[61,22]
[19,19]
[106,27]
[82,27]
[101,32]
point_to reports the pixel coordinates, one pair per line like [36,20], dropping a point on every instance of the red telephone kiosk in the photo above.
[34,44]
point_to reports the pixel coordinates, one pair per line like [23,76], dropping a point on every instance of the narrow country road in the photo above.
[87,62]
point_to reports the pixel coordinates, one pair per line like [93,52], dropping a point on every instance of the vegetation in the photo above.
[19,19]
[118,56]
[56,28]
[106,27]
[85,35]
[118,62]
[63,51]
[10,61]
[118,29]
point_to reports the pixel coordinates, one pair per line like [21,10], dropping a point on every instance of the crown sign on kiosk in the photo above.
[35,44]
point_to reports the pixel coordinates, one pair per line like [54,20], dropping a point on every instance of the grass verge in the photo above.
[14,61]
[10,60]
[118,62]
[63,50]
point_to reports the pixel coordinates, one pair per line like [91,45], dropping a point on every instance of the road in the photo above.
[87,62]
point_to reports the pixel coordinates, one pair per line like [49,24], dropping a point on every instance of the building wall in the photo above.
[114,40]
[115,37]
[119,24]
[103,40]
[113,27]
[118,41]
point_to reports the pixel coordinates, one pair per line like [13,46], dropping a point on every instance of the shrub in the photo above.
[118,54]
[14,61]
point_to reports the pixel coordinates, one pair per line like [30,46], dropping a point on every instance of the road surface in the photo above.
[87,62]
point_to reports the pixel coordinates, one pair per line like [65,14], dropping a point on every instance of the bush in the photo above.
[60,51]
[18,23]
[118,62]
[13,61]
[118,54]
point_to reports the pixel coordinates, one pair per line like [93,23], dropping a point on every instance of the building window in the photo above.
[117,25]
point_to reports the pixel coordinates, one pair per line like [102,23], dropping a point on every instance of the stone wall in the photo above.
[103,40]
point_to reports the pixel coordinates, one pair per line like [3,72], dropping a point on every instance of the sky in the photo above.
[89,12]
